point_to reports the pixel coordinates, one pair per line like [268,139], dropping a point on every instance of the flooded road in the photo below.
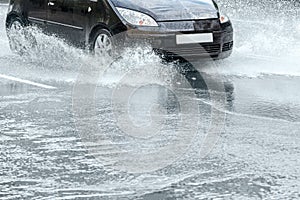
[252,109]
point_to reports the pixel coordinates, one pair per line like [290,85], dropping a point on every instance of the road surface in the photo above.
[44,156]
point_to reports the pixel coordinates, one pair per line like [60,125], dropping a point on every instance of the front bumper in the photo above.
[163,41]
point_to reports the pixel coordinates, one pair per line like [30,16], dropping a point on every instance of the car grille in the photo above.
[207,25]
[227,46]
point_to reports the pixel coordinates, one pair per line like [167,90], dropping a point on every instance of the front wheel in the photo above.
[102,44]
[20,38]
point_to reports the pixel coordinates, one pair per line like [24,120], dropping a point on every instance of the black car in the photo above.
[189,28]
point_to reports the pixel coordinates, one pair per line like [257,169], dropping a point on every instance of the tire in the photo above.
[20,38]
[101,43]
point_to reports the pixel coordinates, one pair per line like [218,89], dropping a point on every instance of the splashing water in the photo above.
[268,46]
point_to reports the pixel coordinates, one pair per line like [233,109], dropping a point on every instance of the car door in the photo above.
[60,19]
[37,11]
[87,14]
[81,13]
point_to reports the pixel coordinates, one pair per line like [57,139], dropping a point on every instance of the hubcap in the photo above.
[16,26]
[103,45]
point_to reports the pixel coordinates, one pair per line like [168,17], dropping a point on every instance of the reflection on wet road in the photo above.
[42,155]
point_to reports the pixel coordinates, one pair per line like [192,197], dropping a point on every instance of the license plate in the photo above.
[194,38]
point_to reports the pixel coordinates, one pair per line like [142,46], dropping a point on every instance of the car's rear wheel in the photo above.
[20,38]
[102,43]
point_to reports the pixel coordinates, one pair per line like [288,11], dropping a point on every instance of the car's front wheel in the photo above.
[20,38]
[102,43]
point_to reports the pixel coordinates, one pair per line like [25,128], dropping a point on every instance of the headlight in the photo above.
[223,18]
[136,18]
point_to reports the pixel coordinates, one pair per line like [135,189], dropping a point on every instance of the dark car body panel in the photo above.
[77,20]
[36,8]
[172,9]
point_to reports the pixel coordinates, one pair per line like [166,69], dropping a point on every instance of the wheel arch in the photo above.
[94,30]
[13,15]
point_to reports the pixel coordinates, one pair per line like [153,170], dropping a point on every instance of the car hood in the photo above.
[165,10]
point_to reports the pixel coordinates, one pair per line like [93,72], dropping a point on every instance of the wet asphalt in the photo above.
[50,150]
